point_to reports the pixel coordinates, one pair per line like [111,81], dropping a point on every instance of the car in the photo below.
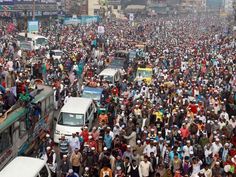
[55,54]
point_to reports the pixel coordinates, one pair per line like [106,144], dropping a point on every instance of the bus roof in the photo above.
[108,72]
[23,167]
[77,105]
[93,90]
[30,35]
[43,94]
[18,111]
[12,117]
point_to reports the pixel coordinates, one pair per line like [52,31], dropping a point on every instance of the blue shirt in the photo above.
[108,141]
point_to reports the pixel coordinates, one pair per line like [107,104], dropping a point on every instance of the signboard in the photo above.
[101,30]
[6,2]
[72,21]
[33,26]
[131,17]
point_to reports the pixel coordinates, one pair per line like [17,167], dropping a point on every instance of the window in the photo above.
[71,119]
[47,104]
[22,127]
[43,172]
[43,108]
[5,140]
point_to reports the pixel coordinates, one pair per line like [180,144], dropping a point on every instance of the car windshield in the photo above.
[42,41]
[93,95]
[108,78]
[71,119]
[144,73]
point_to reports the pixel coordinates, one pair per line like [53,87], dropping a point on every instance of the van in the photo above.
[74,115]
[111,75]
[26,167]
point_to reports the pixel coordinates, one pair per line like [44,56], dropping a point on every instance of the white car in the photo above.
[56,54]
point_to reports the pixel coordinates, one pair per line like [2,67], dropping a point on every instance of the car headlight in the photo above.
[57,132]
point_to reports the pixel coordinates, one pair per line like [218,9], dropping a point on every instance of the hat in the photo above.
[86,127]
[47,135]
[48,148]
[159,132]
[118,168]
[217,163]
[86,168]
[128,146]
[93,148]
[105,148]
[90,137]
[70,171]
[64,156]
[152,130]
[188,141]
[138,141]
[217,139]
[226,144]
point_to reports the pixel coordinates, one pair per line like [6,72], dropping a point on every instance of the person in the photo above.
[145,167]
[75,160]
[50,158]
[64,166]
[132,138]
[105,172]
[71,173]
[63,146]
[74,142]
[133,170]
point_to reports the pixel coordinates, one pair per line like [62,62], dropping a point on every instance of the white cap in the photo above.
[217,163]
[128,146]
[188,141]
[226,144]
[161,139]
[65,156]
[86,168]
[47,135]
[85,127]
[179,131]
[159,132]
[70,171]
[118,168]
[93,148]
[191,153]
[90,137]
[105,148]
[138,141]
[48,148]
[217,139]
[152,130]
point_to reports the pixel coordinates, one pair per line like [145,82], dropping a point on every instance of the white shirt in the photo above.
[216,148]
[196,167]
[74,143]
[144,168]
[148,149]
[187,150]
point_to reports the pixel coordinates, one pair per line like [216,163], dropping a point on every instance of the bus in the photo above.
[33,41]
[20,130]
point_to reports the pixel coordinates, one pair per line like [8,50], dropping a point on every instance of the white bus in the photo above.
[33,41]
[74,115]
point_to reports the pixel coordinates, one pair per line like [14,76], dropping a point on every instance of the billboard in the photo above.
[33,26]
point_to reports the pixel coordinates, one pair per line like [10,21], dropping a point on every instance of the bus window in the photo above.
[22,127]
[5,140]
[47,109]
[43,172]
[43,108]
[51,100]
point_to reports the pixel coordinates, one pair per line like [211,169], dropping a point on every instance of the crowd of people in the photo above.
[182,123]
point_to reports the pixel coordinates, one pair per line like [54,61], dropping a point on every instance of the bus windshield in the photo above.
[93,95]
[144,73]
[41,41]
[71,119]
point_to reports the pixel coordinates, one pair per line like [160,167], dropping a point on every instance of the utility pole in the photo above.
[25,23]
[33,10]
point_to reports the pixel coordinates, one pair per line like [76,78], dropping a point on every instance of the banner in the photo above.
[33,26]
